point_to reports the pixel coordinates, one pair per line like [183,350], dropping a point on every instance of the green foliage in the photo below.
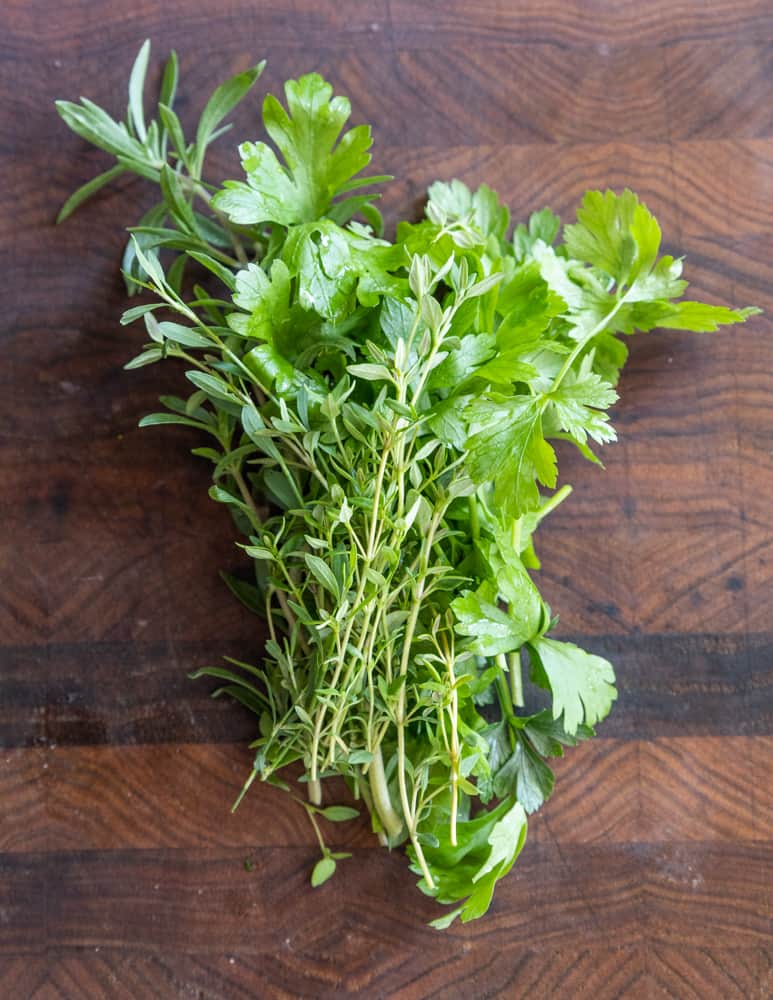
[159,152]
[319,165]
[381,419]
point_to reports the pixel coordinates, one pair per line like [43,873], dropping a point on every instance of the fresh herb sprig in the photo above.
[381,419]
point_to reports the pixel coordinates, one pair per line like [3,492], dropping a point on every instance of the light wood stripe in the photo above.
[106,798]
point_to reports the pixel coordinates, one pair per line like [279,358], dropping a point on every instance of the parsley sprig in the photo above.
[381,420]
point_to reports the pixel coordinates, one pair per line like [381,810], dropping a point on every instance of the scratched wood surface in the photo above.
[649,873]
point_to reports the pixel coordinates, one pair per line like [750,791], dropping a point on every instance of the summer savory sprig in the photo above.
[381,419]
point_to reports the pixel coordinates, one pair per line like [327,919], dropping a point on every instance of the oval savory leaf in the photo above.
[323,870]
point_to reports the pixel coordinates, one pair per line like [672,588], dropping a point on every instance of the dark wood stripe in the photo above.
[469,972]
[117,693]
[159,795]
[709,972]
[605,973]
[85,40]
[173,795]
[135,692]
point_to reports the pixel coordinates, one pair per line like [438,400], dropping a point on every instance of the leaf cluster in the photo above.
[382,419]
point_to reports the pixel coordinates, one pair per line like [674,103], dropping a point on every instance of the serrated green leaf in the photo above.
[582,684]
[506,445]
[491,629]
[319,162]
[702,317]
[578,404]
[524,775]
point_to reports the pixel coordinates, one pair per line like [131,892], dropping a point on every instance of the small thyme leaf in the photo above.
[323,870]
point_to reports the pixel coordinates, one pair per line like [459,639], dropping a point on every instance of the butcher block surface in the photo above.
[650,872]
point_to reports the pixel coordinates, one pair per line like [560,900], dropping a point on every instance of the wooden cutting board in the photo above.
[122,873]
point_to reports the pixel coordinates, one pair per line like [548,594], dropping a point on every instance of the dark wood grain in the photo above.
[138,692]
[121,869]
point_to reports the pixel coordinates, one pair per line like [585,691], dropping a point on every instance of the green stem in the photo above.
[516,679]
[196,187]
[474,518]
[310,810]
[246,495]
[402,392]
[292,621]
[454,752]
[503,690]
[410,629]
[582,344]
[381,800]
[322,711]
[516,534]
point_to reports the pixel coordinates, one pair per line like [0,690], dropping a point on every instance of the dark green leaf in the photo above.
[507,446]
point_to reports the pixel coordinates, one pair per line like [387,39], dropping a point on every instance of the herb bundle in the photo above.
[380,419]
